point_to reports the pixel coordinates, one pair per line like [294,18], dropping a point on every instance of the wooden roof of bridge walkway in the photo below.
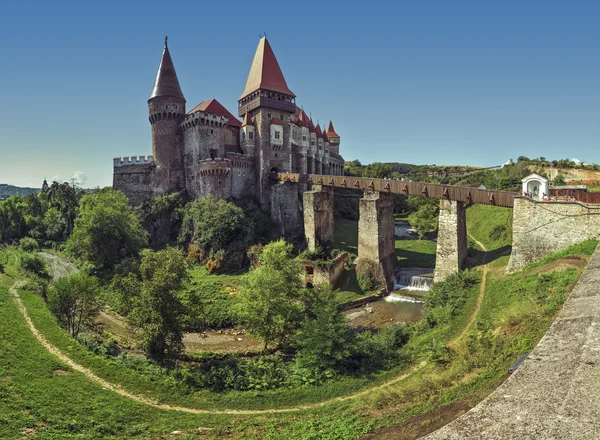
[423,189]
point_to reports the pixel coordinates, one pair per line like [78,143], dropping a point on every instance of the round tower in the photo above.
[166,109]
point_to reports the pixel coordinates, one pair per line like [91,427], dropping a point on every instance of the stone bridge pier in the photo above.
[452,247]
[376,240]
[318,216]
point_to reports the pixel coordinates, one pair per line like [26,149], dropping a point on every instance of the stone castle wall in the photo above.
[451,250]
[135,176]
[540,228]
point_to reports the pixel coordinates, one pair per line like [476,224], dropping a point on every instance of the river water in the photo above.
[405,304]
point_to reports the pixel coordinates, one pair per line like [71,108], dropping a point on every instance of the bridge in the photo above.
[432,190]
[539,228]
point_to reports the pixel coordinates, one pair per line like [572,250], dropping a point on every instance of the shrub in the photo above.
[34,264]
[28,244]
[366,282]
[74,301]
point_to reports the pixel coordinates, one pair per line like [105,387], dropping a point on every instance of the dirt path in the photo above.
[141,399]
[479,298]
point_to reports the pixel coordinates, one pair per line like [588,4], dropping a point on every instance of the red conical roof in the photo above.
[331,131]
[318,130]
[265,72]
[216,108]
[247,120]
[311,125]
[303,119]
[166,82]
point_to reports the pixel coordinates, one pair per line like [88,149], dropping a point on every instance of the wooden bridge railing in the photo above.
[432,190]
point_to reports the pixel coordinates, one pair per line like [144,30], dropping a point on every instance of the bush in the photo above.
[445,299]
[34,264]
[74,301]
[366,282]
[28,244]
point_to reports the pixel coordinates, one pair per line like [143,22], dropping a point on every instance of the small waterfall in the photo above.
[413,282]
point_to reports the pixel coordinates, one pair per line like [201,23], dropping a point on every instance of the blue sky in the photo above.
[417,82]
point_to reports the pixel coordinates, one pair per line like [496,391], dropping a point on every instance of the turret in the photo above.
[166,110]
[248,135]
[334,139]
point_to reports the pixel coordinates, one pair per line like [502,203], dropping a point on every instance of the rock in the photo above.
[239,339]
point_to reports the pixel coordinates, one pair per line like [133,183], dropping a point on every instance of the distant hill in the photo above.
[9,190]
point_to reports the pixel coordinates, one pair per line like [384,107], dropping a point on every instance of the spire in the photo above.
[166,82]
[331,131]
[318,130]
[265,72]
[247,120]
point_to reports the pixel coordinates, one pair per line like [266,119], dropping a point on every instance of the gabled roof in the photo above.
[166,82]
[247,120]
[265,72]
[331,131]
[534,177]
[216,108]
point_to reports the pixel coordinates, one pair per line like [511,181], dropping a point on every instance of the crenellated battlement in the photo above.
[203,118]
[132,160]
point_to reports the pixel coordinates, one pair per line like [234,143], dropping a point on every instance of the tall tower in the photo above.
[334,139]
[166,109]
[269,102]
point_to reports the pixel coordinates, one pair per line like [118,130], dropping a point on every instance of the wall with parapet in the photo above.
[541,228]
[135,177]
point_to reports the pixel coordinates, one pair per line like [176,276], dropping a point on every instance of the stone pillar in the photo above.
[285,208]
[452,240]
[318,217]
[376,240]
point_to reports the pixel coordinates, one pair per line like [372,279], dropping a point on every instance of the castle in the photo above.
[207,151]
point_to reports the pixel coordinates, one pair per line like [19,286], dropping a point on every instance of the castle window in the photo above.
[303,138]
[277,134]
[251,135]
[269,115]
[211,131]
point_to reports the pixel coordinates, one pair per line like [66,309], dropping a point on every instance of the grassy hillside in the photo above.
[7,191]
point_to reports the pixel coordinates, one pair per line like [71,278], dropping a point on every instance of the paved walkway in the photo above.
[555,393]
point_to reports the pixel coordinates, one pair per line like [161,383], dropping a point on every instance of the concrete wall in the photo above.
[318,217]
[540,228]
[376,241]
[452,247]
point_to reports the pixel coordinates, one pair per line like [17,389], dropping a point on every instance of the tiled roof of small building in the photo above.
[276,121]
[216,108]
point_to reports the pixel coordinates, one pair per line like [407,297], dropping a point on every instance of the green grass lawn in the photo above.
[40,395]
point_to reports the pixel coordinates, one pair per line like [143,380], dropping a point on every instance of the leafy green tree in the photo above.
[324,340]
[74,301]
[54,225]
[106,231]
[212,224]
[65,199]
[272,299]
[156,309]
[425,220]
[558,180]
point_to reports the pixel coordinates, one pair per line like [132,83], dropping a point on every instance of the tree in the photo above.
[74,301]
[425,220]
[272,299]
[106,231]
[156,311]
[558,180]
[324,341]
